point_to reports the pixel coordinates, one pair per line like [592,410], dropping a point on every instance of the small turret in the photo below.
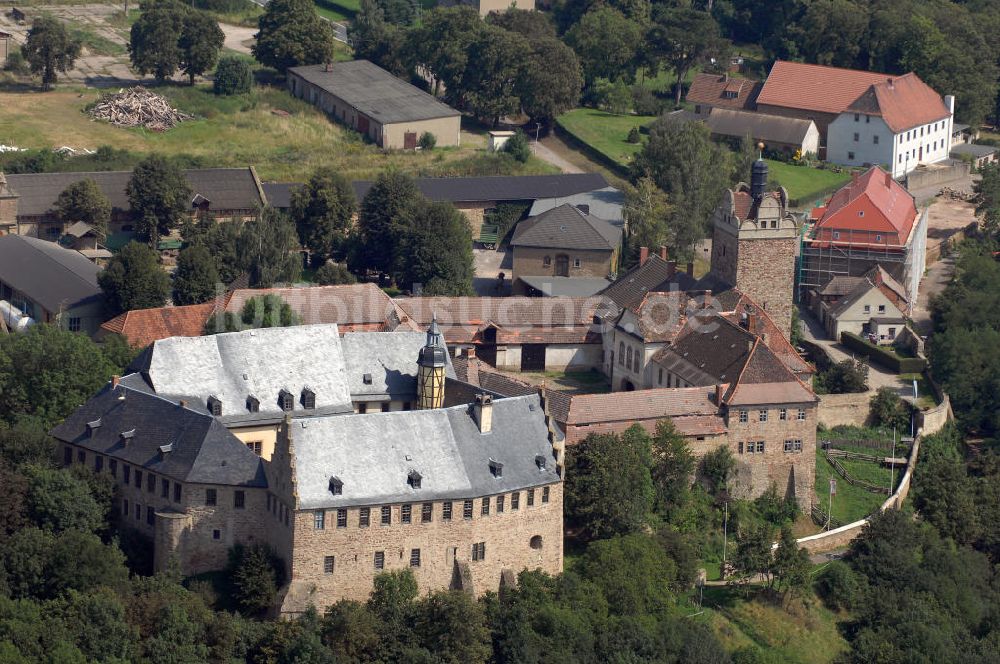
[430,367]
[758,180]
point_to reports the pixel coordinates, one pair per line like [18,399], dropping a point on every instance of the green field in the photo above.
[283,137]
[805,184]
[337,10]
[605,132]
[851,502]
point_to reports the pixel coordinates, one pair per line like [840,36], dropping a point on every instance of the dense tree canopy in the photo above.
[153,39]
[84,201]
[268,249]
[435,250]
[388,200]
[133,279]
[159,197]
[200,41]
[323,212]
[607,43]
[49,49]
[196,277]
[290,34]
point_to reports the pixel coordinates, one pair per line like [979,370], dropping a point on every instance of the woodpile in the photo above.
[956,194]
[138,107]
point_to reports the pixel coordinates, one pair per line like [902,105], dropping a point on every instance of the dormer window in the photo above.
[253,404]
[214,406]
[126,436]
[414,479]
[308,399]
[285,400]
[366,379]
[93,426]
[540,462]
[165,450]
[336,486]
[496,468]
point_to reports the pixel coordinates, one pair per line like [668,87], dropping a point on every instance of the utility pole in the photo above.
[725,540]
[892,461]
[538,128]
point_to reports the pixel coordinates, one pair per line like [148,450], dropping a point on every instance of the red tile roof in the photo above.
[902,101]
[144,326]
[709,89]
[872,202]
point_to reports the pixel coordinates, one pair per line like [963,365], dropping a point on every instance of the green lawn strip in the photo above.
[341,11]
[805,184]
[925,395]
[97,44]
[605,132]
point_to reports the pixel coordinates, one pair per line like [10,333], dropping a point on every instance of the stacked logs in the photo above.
[138,107]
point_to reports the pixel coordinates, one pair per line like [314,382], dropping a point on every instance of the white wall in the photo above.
[901,151]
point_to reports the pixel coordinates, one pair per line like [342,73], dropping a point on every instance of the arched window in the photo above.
[536,542]
[628,357]
[621,353]
[636,366]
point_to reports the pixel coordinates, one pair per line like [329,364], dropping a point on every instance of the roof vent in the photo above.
[253,404]
[308,398]
[366,379]
[414,479]
[336,486]
[214,406]
[126,436]
[93,426]
[166,449]
[496,468]
[540,461]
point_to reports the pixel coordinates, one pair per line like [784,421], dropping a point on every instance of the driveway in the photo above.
[544,153]
[487,263]
[238,37]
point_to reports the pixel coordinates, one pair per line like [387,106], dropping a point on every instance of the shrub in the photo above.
[716,468]
[645,101]
[882,356]
[518,147]
[427,141]
[633,135]
[888,410]
[846,377]
[331,274]
[838,586]
[16,64]
[233,76]
[255,574]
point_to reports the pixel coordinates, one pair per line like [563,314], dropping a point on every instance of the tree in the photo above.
[533,26]
[987,199]
[427,141]
[753,553]
[716,468]
[517,146]
[790,565]
[551,79]
[262,311]
[439,45]
[323,211]
[290,34]
[49,49]
[58,501]
[833,33]
[200,41]
[451,626]
[158,196]
[609,490]
[153,38]
[220,239]
[683,37]
[633,572]
[847,376]
[196,278]
[255,573]
[673,466]
[268,246]
[379,41]
[133,279]
[436,250]
[490,88]
[331,274]
[233,76]
[607,44]
[84,201]
[691,169]
[389,199]
[647,211]
[889,411]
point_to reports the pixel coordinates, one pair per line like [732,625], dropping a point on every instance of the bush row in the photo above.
[881,356]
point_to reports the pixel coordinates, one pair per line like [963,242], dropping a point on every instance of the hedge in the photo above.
[881,356]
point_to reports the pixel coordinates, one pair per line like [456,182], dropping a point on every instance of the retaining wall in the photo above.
[931,177]
[843,409]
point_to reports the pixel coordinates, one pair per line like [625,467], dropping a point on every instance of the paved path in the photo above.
[547,155]
[937,277]
[238,37]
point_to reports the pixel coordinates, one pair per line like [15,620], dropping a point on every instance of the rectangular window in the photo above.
[762,415]
[881,308]
[164,487]
[177,492]
[868,308]
[446,511]
[406,513]
[151,483]
[875,139]
[138,511]
[380,560]
[255,446]
[531,497]
[857,117]
[74,324]
[113,468]
[751,448]
[878,238]
[515,500]
[385,407]
[797,444]
[744,416]
[741,447]
[150,516]
[788,446]
[760,447]
[319,520]
[467,509]
[138,478]
[850,156]
[856,137]
[426,512]
[240,499]
[414,557]
[328,562]
[500,501]
[67,456]
[81,457]
[98,463]
[485,510]
[386,515]
[211,496]
[545,494]
[125,507]
[216,534]
[479,551]
[342,518]
[576,262]
[364,517]
[126,470]
[782,414]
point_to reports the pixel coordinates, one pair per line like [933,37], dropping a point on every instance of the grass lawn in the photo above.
[341,11]
[805,184]
[925,395]
[605,132]
[804,633]
[238,131]
[851,502]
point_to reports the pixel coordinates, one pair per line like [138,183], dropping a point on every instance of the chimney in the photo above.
[663,252]
[671,269]
[889,81]
[484,412]
[752,322]
[643,255]
[469,352]
[690,269]
[949,101]
[114,382]
[183,403]
[707,302]
[720,389]
[888,180]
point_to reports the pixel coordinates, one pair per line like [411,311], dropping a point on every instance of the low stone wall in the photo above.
[934,419]
[843,409]
[937,176]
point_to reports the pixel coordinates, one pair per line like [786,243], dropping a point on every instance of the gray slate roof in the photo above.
[375,92]
[566,227]
[391,360]
[977,151]
[373,454]
[48,273]
[225,188]
[606,203]
[201,449]
[774,128]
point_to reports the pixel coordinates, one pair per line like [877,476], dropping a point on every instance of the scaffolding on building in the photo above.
[821,260]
